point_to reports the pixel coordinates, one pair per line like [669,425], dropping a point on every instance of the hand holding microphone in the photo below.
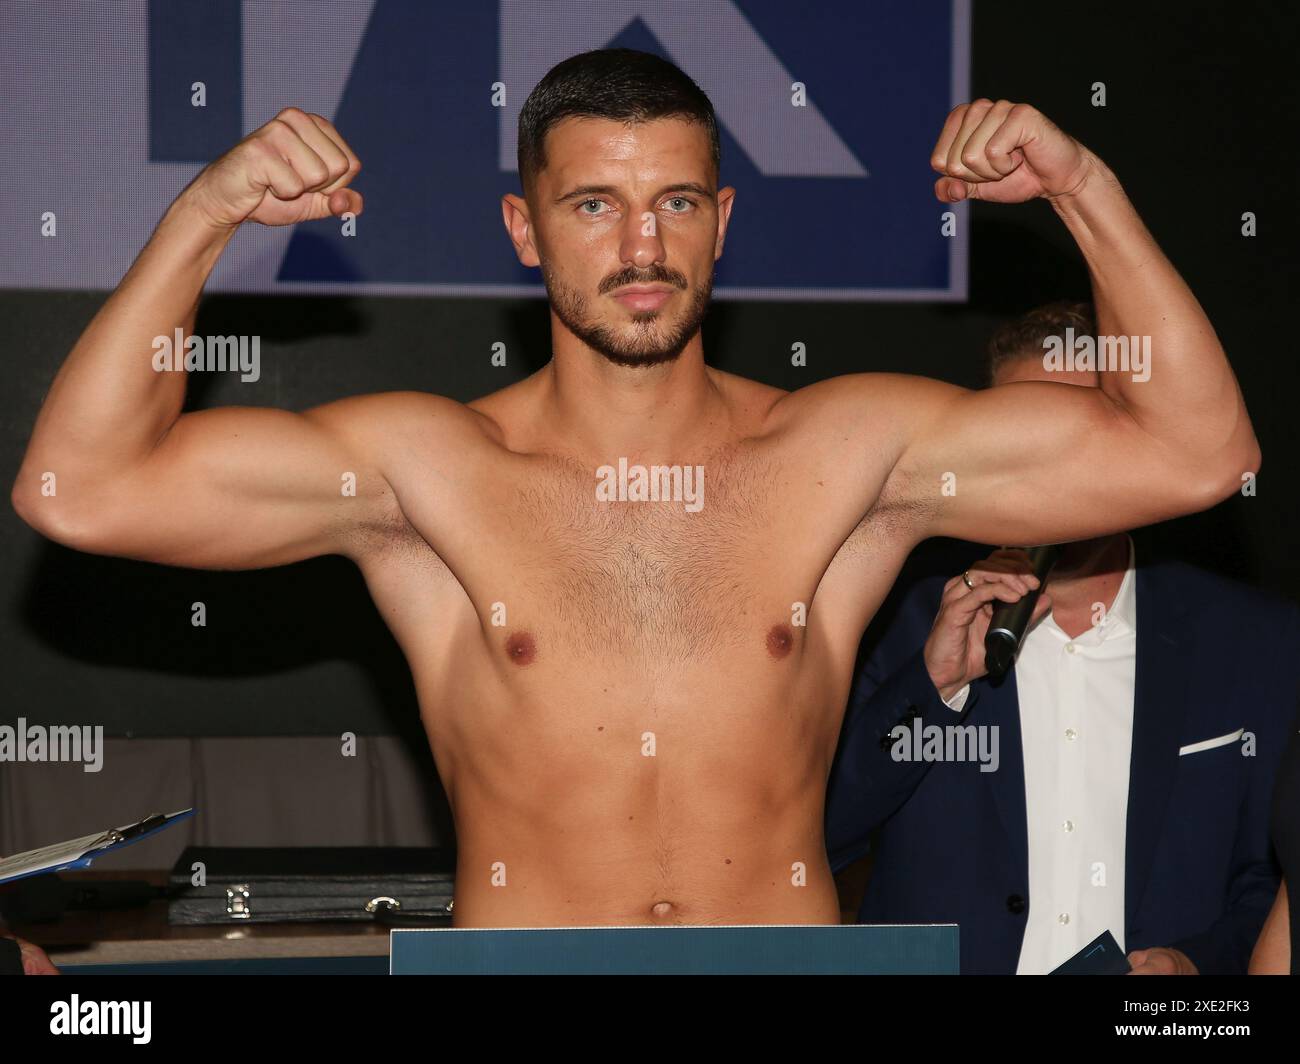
[955,651]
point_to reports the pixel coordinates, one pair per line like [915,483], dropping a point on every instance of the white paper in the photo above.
[22,864]
[61,853]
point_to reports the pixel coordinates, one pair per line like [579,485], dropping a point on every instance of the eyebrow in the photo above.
[611,190]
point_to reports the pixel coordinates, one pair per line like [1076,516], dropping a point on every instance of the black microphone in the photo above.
[1010,619]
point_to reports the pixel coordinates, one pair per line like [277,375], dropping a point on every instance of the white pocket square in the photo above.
[1210,744]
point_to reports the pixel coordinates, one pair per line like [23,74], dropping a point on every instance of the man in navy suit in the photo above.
[1117,779]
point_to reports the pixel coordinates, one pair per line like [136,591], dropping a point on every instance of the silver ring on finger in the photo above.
[966,579]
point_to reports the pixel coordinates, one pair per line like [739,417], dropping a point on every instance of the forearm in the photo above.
[869,783]
[1189,401]
[108,406]
[1272,953]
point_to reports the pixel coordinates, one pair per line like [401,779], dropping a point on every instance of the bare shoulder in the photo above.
[399,446]
[888,398]
[860,415]
[851,433]
[383,421]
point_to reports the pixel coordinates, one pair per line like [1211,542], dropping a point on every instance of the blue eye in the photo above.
[682,200]
[585,203]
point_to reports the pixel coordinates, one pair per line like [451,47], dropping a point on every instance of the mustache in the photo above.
[656,274]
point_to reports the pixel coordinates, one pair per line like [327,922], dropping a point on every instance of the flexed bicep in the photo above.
[1039,462]
[231,488]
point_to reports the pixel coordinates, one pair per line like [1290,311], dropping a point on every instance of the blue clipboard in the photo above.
[80,852]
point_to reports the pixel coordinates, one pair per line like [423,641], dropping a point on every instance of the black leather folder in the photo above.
[400,886]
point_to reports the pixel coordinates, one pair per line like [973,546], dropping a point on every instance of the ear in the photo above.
[514,212]
[726,198]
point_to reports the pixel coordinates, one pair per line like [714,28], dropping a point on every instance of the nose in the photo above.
[641,245]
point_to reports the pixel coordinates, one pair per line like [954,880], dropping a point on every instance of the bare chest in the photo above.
[606,567]
[557,562]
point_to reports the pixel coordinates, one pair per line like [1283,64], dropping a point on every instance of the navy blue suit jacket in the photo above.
[1212,656]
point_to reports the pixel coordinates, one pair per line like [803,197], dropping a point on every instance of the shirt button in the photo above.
[1069,648]
[1068,825]
[1064,918]
[1071,734]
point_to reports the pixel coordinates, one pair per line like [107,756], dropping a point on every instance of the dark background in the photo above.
[1200,125]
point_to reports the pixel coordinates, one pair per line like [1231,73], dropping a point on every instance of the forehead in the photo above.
[604,151]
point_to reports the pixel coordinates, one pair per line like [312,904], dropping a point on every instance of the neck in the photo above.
[609,410]
[1084,568]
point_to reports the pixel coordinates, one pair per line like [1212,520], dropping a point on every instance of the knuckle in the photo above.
[260,148]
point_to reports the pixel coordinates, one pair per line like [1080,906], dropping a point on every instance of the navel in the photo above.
[780,640]
[521,648]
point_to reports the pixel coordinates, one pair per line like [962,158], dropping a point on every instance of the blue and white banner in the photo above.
[828,112]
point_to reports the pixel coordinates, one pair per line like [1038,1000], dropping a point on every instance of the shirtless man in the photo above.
[632,720]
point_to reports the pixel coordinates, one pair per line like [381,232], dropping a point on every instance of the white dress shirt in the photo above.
[1076,726]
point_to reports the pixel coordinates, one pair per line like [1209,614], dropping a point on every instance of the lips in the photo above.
[643,297]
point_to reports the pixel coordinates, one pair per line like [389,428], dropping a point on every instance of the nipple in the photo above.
[780,640]
[521,648]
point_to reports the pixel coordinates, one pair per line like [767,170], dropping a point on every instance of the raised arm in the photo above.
[1041,462]
[113,466]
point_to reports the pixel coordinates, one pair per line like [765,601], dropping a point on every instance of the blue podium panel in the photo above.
[822,949]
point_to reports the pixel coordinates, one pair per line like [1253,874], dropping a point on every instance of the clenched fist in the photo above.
[296,168]
[1006,153]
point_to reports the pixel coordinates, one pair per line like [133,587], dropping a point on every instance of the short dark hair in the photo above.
[617,83]
[1023,337]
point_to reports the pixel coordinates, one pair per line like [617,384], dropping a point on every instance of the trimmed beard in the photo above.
[650,345]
